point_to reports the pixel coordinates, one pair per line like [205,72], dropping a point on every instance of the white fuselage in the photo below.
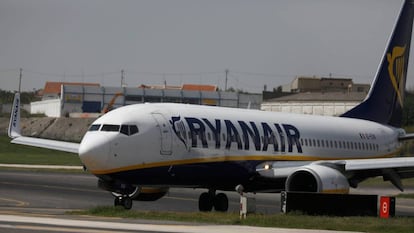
[177,134]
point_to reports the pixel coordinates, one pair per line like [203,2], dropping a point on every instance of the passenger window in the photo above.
[94,127]
[110,128]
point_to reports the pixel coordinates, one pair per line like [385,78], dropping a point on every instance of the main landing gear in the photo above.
[208,200]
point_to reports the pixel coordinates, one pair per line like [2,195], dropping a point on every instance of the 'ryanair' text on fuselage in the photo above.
[263,136]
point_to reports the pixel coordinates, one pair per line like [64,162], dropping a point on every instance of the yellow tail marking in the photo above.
[396,67]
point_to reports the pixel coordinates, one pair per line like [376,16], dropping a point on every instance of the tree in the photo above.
[6,97]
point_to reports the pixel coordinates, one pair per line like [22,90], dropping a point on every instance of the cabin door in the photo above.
[165,131]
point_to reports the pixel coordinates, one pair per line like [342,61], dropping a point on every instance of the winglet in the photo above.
[14,125]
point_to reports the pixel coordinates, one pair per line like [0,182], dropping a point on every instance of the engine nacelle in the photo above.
[317,178]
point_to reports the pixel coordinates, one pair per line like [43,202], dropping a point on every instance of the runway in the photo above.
[49,194]
[59,192]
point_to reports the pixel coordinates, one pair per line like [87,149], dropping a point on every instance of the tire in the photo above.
[117,201]
[127,203]
[205,202]
[221,202]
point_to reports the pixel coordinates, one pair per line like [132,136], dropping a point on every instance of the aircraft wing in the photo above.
[17,138]
[406,137]
[392,169]
[388,163]
[47,143]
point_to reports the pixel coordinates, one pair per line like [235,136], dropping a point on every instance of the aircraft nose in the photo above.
[93,152]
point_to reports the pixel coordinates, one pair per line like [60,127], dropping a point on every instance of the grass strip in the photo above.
[294,220]
[406,195]
[378,181]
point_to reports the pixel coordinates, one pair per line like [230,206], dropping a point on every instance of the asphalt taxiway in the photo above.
[44,195]
[58,192]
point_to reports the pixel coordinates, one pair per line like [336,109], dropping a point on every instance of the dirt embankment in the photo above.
[64,129]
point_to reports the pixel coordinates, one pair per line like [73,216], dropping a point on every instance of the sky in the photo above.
[261,42]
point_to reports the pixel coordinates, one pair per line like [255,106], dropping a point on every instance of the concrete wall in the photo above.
[51,108]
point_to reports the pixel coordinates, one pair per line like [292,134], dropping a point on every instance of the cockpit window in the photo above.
[129,129]
[133,129]
[110,128]
[94,127]
[124,129]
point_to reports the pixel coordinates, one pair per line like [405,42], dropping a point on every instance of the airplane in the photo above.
[139,151]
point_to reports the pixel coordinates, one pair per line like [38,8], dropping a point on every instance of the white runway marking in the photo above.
[90,226]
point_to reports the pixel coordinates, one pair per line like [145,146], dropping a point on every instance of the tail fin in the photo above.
[14,125]
[385,99]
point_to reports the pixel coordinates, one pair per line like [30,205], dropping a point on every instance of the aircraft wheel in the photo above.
[205,202]
[221,202]
[117,201]
[127,203]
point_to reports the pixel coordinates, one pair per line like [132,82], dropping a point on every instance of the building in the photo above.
[315,84]
[315,95]
[327,104]
[96,99]
[52,90]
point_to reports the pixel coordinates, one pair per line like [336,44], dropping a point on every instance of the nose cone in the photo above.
[93,151]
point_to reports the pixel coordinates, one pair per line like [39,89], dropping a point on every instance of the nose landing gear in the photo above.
[124,201]
[208,200]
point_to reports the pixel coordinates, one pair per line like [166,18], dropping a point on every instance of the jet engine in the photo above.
[317,178]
